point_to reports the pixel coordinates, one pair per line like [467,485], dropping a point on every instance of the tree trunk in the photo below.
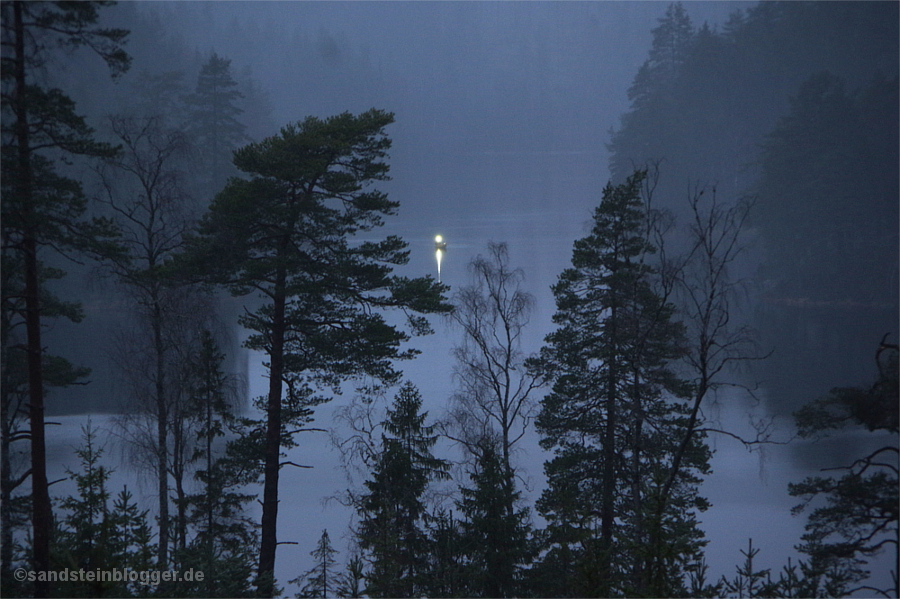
[178,467]
[41,511]
[609,456]
[508,475]
[685,441]
[6,483]
[162,416]
[208,500]
[272,456]
[638,580]
[506,426]
[210,512]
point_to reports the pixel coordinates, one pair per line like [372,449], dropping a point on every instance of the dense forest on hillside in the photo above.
[747,238]
[792,105]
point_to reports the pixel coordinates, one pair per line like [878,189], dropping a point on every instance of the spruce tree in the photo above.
[496,541]
[447,575]
[87,521]
[214,120]
[672,41]
[94,536]
[392,512]
[614,413]
[351,584]
[223,533]
[321,580]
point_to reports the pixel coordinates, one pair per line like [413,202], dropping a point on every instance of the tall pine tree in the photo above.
[286,234]
[38,121]
[672,40]
[613,413]
[57,372]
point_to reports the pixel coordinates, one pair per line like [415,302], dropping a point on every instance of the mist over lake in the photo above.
[509,299]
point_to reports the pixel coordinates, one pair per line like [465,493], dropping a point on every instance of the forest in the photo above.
[206,279]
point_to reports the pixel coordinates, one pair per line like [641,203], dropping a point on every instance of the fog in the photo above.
[505,115]
[503,111]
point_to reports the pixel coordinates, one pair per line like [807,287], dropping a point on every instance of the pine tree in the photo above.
[321,581]
[393,510]
[285,234]
[671,39]
[57,372]
[47,207]
[614,412]
[857,514]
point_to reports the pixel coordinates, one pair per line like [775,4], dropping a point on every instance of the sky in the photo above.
[503,112]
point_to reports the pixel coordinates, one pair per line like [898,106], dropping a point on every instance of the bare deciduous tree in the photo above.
[708,290]
[144,189]
[704,282]
[494,401]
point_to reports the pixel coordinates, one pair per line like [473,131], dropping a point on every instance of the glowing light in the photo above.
[440,246]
